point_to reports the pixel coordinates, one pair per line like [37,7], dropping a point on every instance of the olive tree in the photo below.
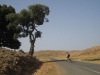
[27,21]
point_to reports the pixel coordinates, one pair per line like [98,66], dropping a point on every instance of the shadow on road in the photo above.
[54,60]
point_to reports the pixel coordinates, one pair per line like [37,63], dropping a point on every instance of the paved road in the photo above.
[77,68]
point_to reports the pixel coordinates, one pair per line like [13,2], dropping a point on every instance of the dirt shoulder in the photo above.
[48,68]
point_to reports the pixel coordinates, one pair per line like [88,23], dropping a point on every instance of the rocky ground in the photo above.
[17,63]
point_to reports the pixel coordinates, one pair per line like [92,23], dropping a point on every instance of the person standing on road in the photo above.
[68,55]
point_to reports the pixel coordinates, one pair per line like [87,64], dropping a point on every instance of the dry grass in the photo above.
[45,55]
[91,54]
[17,63]
[48,68]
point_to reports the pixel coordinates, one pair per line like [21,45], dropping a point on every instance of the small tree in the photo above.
[28,20]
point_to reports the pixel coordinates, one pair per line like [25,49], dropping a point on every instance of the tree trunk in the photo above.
[31,51]
[32,42]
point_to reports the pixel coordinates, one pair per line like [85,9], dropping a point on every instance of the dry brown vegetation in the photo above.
[48,68]
[45,55]
[91,54]
[17,63]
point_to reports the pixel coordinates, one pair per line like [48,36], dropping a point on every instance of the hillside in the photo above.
[90,54]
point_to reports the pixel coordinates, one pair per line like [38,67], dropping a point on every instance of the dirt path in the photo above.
[48,68]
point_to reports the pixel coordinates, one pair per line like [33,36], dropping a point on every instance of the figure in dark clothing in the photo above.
[68,57]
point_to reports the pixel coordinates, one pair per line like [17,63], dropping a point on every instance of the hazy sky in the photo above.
[73,24]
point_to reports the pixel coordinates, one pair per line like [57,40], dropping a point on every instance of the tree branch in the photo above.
[36,29]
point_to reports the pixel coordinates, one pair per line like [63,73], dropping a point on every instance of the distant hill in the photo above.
[90,54]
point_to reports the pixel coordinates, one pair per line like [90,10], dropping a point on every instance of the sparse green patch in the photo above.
[94,59]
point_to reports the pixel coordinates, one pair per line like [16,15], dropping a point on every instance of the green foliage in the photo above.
[7,33]
[13,19]
[38,13]
[26,20]
[38,34]
[14,25]
[24,17]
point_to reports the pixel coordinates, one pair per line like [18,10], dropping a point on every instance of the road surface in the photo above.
[77,68]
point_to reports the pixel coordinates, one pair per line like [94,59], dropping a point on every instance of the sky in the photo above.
[73,24]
